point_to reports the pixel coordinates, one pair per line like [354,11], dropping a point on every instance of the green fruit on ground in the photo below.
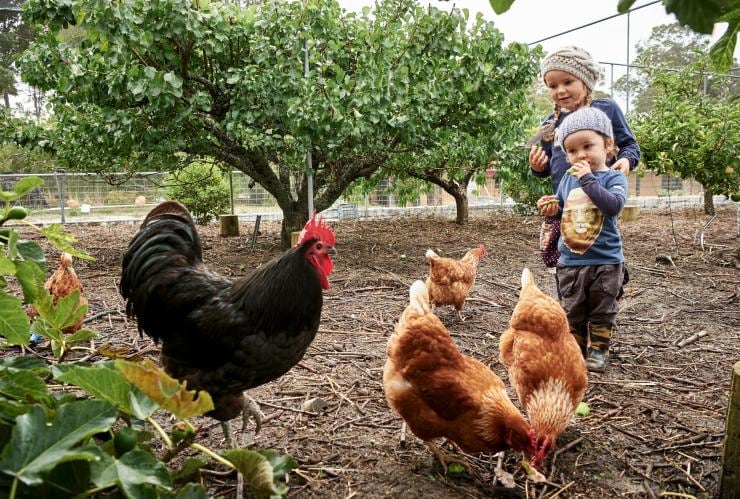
[735,196]
[125,440]
[17,213]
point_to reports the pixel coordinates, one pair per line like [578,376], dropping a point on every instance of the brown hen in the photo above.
[450,280]
[441,393]
[546,367]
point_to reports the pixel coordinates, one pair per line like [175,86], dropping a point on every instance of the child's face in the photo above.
[566,90]
[589,146]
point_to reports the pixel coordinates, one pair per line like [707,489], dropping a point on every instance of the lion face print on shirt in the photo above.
[581,222]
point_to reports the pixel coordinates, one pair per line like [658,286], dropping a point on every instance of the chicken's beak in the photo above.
[332,251]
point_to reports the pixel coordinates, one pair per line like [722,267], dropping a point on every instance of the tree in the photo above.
[15,36]
[670,46]
[154,79]
[699,15]
[458,152]
[690,134]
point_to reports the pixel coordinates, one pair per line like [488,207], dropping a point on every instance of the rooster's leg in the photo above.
[440,455]
[228,435]
[251,410]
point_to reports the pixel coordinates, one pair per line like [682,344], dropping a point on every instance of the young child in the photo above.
[589,199]
[571,75]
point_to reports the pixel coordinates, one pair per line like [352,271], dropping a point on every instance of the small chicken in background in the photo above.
[441,393]
[450,280]
[61,283]
[546,367]
[224,335]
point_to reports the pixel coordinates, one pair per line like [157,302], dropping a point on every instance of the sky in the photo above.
[528,21]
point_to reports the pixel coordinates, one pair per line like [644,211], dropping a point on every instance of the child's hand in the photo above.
[622,166]
[548,205]
[537,159]
[579,169]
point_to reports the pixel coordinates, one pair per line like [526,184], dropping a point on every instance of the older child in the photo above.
[571,75]
[589,199]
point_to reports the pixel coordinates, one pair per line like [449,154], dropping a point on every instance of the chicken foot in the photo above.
[250,410]
[441,456]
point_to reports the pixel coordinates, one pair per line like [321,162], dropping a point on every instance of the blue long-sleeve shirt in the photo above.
[588,227]
[628,148]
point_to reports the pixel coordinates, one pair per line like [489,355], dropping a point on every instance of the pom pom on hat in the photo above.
[576,61]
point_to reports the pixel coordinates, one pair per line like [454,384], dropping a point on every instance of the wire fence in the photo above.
[94,198]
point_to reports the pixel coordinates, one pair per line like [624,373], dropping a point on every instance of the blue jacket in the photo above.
[623,137]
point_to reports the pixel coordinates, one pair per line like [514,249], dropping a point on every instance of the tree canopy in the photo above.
[689,134]
[149,81]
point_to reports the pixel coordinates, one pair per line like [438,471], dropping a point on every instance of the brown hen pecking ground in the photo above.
[657,414]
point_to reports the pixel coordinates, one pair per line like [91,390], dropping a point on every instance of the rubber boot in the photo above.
[598,354]
[581,339]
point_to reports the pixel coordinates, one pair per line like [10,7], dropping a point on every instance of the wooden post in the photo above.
[729,480]
[294,238]
[630,213]
[229,225]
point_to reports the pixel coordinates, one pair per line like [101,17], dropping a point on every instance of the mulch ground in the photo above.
[657,414]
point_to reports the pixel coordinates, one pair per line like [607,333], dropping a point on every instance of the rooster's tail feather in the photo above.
[166,240]
[168,209]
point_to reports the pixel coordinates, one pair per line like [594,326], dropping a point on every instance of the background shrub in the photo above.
[202,189]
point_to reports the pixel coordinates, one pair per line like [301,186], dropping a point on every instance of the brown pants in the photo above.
[589,294]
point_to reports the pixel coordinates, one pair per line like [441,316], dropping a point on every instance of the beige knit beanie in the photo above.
[573,60]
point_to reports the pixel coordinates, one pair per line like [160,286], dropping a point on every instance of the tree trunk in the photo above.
[6,97]
[461,203]
[294,218]
[708,202]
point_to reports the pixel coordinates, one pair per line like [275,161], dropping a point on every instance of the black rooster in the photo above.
[221,335]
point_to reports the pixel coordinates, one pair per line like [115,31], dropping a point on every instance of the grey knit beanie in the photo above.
[576,61]
[585,118]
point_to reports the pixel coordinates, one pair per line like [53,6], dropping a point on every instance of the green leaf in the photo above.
[30,251]
[11,409]
[583,409]
[699,15]
[58,237]
[135,473]
[723,49]
[23,385]
[14,324]
[189,469]
[31,278]
[169,393]
[37,445]
[24,362]
[106,383]
[455,468]
[624,5]
[7,267]
[26,185]
[64,313]
[81,335]
[189,491]
[257,471]
[500,6]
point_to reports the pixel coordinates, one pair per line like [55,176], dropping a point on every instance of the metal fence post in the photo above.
[61,188]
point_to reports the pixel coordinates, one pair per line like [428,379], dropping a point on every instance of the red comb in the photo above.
[316,229]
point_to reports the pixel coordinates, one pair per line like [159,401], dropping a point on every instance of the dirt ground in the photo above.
[657,414]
